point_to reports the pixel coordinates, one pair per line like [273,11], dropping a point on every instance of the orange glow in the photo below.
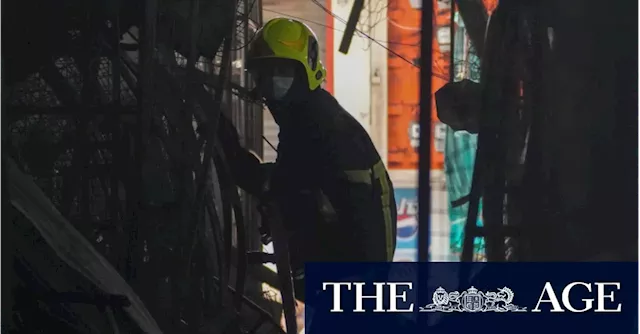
[404,81]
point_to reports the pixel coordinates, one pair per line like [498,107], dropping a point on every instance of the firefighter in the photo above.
[328,180]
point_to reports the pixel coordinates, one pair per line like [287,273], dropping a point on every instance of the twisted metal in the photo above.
[119,130]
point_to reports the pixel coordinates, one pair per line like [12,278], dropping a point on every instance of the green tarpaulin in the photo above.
[460,147]
[460,152]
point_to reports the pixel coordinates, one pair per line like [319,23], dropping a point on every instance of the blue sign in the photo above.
[407,234]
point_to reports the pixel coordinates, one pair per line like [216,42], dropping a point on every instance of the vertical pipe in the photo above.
[147,41]
[115,129]
[6,252]
[424,175]
[147,45]
[88,66]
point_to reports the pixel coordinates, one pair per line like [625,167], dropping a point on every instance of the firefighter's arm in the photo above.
[247,169]
[361,199]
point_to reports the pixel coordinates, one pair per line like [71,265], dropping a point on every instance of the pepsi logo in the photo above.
[407,227]
[407,218]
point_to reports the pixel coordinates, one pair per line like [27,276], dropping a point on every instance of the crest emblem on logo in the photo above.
[472,300]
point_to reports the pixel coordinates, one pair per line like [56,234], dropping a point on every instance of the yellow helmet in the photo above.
[285,38]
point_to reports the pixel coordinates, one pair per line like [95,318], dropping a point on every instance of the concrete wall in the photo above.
[351,72]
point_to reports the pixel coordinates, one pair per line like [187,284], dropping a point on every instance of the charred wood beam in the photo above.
[88,65]
[145,100]
[350,29]
[114,202]
[9,282]
[475,17]
[146,85]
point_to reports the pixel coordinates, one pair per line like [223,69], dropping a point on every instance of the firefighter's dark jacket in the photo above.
[328,180]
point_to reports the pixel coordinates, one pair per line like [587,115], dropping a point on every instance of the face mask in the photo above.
[281,86]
